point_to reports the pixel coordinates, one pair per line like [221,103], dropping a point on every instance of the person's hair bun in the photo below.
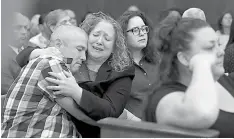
[164,32]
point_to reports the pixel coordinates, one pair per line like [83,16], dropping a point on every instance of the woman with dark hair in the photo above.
[224,24]
[194,93]
[229,52]
[137,29]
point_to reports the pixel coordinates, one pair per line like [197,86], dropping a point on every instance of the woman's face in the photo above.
[137,36]
[101,41]
[206,40]
[227,20]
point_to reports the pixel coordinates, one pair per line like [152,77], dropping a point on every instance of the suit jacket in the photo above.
[10,69]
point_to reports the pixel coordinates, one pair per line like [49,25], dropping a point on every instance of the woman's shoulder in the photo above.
[127,72]
[158,94]
[167,88]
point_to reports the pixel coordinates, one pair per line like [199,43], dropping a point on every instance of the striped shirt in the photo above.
[30,110]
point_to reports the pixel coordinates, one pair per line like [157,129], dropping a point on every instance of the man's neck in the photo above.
[94,64]
[226,30]
[47,37]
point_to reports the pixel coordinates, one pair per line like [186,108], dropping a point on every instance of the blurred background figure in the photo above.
[171,12]
[47,24]
[194,13]
[138,31]
[85,16]
[34,29]
[133,8]
[20,35]
[72,15]
[224,24]
[41,39]
[229,52]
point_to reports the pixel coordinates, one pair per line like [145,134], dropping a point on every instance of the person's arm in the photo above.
[66,103]
[111,104]
[197,107]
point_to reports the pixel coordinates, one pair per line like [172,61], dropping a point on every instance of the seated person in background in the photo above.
[105,77]
[170,12]
[229,52]
[138,31]
[34,28]
[224,25]
[72,15]
[194,13]
[9,67]
[47,24]
[31,110]
[133,8]
[195,93]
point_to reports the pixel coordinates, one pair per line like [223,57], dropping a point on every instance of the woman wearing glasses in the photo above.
[105,77]
[138,32]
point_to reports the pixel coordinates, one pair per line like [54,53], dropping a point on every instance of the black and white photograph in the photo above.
[117,69]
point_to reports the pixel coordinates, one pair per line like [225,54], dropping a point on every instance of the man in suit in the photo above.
[20,36]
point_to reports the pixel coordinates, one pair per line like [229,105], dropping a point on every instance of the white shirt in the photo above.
[39,40]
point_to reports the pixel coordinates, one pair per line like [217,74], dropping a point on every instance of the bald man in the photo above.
[10,68]
[30,110]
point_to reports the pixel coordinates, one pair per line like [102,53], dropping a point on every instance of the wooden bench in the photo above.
[117,128]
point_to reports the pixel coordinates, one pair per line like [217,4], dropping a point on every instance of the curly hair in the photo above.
[150,53]
[120,58]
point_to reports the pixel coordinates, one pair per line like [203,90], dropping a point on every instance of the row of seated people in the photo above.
[124,69]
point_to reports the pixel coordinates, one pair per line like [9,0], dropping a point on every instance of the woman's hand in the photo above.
[203,59]
[66,84]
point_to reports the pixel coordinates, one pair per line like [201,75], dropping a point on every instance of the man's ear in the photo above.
[52,28]
[58,43]
[183,58]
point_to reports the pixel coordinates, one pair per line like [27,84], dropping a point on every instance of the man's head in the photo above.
[72,43]
[21,27]
[194,13]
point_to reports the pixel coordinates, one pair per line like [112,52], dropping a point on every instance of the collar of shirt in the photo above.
[59,57]
[15,49]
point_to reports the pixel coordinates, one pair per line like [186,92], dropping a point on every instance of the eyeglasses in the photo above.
[136,30]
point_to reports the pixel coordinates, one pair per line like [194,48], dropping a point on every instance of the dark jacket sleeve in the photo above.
[9,72]
[23,57]
[113,101]
[228,59]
